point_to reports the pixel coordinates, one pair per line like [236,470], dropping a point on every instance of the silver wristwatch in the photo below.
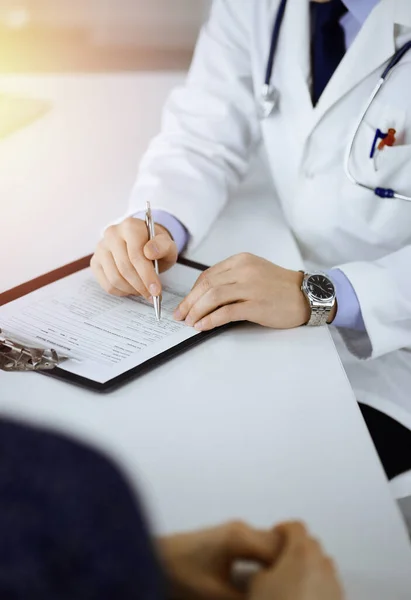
[320,293]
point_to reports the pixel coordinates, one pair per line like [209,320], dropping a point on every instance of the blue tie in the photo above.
[328,43]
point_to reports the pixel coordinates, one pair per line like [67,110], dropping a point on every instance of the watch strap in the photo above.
[319,316]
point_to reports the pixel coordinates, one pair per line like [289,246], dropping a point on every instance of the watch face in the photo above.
[320,287]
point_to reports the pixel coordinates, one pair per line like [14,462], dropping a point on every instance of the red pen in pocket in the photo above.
[385,139]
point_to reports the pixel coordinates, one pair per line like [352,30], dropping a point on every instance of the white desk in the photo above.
[247,425]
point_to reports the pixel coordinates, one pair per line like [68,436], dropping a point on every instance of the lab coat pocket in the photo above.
[392,168]
[389,219]
[389,167]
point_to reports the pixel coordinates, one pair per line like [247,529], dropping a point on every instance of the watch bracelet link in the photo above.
[319,316]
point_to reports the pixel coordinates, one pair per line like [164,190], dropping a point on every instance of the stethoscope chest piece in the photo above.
[269,101]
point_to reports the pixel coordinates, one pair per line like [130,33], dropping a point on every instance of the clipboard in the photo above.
[127,376]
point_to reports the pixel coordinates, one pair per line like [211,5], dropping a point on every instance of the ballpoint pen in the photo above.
[151,235]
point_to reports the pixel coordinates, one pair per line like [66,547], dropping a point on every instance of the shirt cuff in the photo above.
[349,314]
[177,230]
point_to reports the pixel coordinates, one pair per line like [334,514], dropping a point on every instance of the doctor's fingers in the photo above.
[99,274]
[209,281]
[240,267]
[292,532]
[114,276]
[138,272]
[213,299]
[230,267]
[230,313]
[135,261]
[132,265]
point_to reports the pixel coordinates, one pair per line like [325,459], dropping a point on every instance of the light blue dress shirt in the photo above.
[349,311]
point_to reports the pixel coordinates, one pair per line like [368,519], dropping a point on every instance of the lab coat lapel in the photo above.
[374,45]
[402,12]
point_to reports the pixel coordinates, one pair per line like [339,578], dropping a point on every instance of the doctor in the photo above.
[295,76]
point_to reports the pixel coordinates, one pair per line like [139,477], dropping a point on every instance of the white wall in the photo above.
[163,23]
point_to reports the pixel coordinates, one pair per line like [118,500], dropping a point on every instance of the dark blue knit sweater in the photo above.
[70,528]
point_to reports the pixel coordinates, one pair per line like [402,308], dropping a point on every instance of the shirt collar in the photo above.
[360,9]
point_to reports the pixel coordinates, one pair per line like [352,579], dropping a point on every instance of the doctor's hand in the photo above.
[122,263]
[199,565]
[245,288]
[301,572]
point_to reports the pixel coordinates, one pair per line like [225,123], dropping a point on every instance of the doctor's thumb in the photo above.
[162,246]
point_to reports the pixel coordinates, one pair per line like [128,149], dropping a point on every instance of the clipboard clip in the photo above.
[15,356]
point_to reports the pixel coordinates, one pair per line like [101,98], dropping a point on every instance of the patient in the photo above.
[72,529]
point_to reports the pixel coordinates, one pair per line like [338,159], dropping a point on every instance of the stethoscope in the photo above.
[270,99]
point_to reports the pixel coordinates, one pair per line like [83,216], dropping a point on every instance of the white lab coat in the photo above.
[210,129]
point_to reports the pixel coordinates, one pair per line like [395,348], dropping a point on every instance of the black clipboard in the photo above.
[127,376]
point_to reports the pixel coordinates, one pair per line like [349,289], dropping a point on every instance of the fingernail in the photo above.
[199,326]
[177,315]
[190,321]
[154,289]
[154,248]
